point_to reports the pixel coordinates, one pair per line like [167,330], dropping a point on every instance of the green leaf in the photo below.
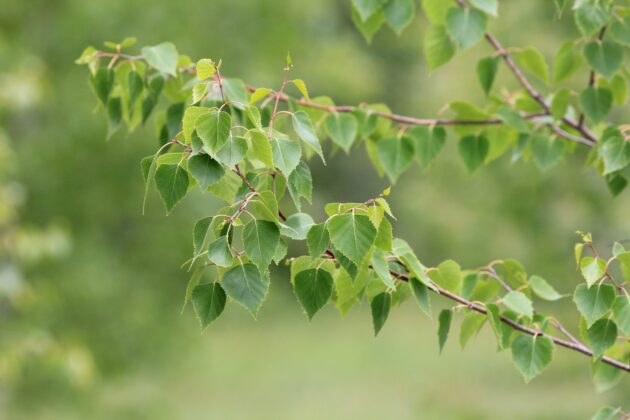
[429,143]
[594,302]
[605,57]
[602,336]
[205,69]
[596,103]
[438,47]
[590,16]
[352,234]
[304,129]
[403,251]
[162,57]
[102,82]
[621,313]
[615,153]
[491,7]
[493,314]
[532,60]
[486,72]
[300,184]
[547,151]
[342,129]
[473,321]
[620,31]
[384,238]
[214,129]
[201,232]
[607,413]
[219,252]
[286,154]
[259,94]
[313,289]
[189,121]
[531,355]
[260,239]
[399,14]
[381,267]
[473,150]
[395,155]
[233,151]
[297,226]
[301,86]
[592,269]
[236,93]
[605,376]
[380,310]
[317,240]
[205,170]
[172,184]
[135,85]
[436,10]
[446,315]
[512,119]
[566,62]
[246,286]
[261,148]
[370,26]
[367,8]
[466,26]
[519,303]
[449,276]
[619,88]
[560,103]
[421,293]
[209,302]
[542,289]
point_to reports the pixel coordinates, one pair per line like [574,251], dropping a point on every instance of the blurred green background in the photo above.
[90,290]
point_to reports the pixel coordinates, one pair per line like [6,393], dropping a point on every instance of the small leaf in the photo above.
[491,7]
[436,10]
[233,151]
[381,267]
[494,319]
[596,103]
[368,27]
[438,47]
[594,302]
[621,313]
[313,289]
[395,155]
[245,285]
[607,413]
[219,252]
[602,335]
[259,94]
[590,16]
[473,150]
[209,302]
[592,269]
[446,315]
[470,327]
[342,129]
[429,143]
[214,129]
[605,57]
[531,354]
[299,83]
[380,310]
[466,26]
[566,62]
[317,240]
[286,154]
[352,234]
[297,226]
[260,239]
[620,31]
[300,184]
[304,129]
[172,184]
[532,60]
[486,72]
[162,57]
[205,69]
[399,14]
[615,153]
[519,303]
[542,289]
[547,151]
[367,8]
[205,170]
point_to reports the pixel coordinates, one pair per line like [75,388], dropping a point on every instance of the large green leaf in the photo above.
[547,151]
[602,335]
[352,234]
[313,288]
[102,82]
[162,57]
[380,310]
[246,286]
[429,143]
[233,151]
[172,183]
[209,302]
[466,26]
[286,154]
[260,239]
[399,14]
[596,102]
[438,47]
[304,128]
[531,354]
[297,226]
[395,155]
[214,129]
[342,129]
[369,26]
[592,269]
[219,252]
[605,57]
[519,303]
[615,153]
[542,289]
[590,16]
[594,302]
[473,151]
[205,170]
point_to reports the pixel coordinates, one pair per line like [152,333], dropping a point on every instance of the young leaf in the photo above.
[162,57]
[547,151]
[594,302]
[297,226]
[519,303]
[304,129]
[209,302]
[436,10]
[301,86]
[395,155]
[317,240]
[466,26]
[381,267]
[470,326]
[486,72]
[205,69]
[596,103]
[313,288]
[494,319]
[615,153]
[172,184]
[245,285]
[368,27]
[438,47]
[602,335]
[342,129]
[286,154]
[214,129]
[473,151]
[399,14]
[592,269]
[429,143]
[531,354]
[260,239]
[446,315]
[380,310]
[259,94]
[566,62]
[542,289]
[102,82]
[421,293]
[300,184]
[532,60]
[367,8]
[261,148]
[403,251]
[352,234]
[205,170]
[605,57]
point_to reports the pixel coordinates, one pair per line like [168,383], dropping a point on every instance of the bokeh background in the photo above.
[91,291]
